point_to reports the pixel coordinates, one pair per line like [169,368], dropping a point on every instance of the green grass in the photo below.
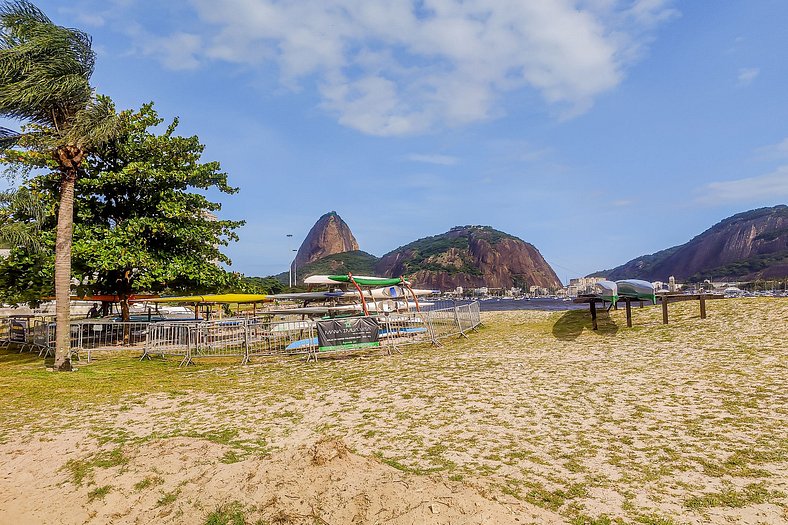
[230,514]
[753,493]
[99,493]
[80,469]
[148,482]
[167,498]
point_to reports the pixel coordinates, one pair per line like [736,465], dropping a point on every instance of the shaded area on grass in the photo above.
[571,324]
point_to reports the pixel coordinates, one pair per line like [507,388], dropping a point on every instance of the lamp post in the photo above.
[290,273]
[295,270]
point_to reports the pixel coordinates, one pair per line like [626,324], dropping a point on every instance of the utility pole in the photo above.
[290,273]
[295,269]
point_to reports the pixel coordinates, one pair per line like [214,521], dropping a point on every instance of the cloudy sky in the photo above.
[598,130]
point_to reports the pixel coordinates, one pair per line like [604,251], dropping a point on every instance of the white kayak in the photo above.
[607,291]
[636,289]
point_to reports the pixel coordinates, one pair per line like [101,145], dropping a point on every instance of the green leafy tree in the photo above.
[143,222]
[45,72]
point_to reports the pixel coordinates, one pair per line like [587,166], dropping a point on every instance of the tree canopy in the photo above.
[45,72]
[143,222]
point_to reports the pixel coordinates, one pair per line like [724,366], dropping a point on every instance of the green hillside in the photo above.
[358,262]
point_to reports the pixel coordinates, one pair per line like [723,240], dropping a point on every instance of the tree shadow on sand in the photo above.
[570,325]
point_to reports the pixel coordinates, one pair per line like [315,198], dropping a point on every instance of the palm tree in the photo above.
[45,74]
[21,215]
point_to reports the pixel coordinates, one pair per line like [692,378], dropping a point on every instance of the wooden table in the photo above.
[668,298]
[665,299]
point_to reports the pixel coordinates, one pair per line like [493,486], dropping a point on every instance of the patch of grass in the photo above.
[753,493]
[588,520]
[168,498]
[230,457]
[229,514]
[99,493]
[80,469]
[112,458]
[149,481]
[653,519]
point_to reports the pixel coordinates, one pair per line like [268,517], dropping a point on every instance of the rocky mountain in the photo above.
[746,246]
[330,235]
[469,256]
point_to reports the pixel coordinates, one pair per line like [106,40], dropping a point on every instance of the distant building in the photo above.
[582,285]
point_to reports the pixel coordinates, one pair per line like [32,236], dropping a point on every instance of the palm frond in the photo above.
[21,214]
[45,69]
[8,138]
[97,124]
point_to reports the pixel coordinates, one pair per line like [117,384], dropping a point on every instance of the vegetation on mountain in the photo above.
[470,256]
[751,266]
[748,245]
[357,262]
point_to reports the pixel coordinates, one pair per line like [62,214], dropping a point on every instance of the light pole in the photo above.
[290,273]
[295,270]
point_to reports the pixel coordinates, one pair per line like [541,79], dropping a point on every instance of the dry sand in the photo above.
[534,419]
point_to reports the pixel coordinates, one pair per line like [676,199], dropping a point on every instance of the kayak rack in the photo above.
[664,299]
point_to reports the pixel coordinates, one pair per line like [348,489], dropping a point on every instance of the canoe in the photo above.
[637,289]
[225,298]
[391,292]
[363,280]
[382,306]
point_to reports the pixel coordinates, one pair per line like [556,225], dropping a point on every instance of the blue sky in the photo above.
[598,130]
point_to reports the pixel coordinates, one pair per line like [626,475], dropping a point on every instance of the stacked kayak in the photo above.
[637,289]
[607,291]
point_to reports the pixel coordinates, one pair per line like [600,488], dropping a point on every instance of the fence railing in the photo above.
[245,337]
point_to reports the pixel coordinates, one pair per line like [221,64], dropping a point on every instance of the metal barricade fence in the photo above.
[281,335]
[94,336]
[169,339]
[243,337]
[5,332]
[39,331]
[451,319]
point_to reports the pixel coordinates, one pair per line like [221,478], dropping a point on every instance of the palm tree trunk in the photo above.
[65,226]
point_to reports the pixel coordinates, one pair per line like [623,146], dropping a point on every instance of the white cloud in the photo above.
[178,51]
[775,151]
[442,160]
[769,187]
[399,68]
[747,75]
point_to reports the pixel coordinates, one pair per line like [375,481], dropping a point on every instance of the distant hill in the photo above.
[357,262]
[469,256]
[746,246]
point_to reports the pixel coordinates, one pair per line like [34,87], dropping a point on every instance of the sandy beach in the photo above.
[534,418]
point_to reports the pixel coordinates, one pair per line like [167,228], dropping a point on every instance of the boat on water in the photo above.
[637,289]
